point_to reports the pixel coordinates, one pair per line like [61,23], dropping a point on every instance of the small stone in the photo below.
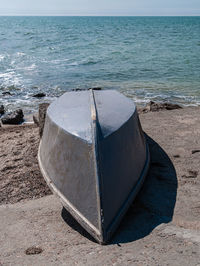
[176,156]
[39,95]
[33,250]
[195,151]
[192,174]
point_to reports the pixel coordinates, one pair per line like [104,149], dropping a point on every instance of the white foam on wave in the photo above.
[143,96]
[28,68]
[10,78]
[60,61]
[23,101]
[6,75]
[182,101]
[73,64]
[12,62]
[57,61]
[20,54]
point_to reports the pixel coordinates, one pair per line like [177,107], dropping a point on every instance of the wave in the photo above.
[145,97]
[2,57]
[73,64]
[31,67]
[19,54]
[10,88]
[27,68]
[58,61]
[28,33]
[10,79]
[90,61]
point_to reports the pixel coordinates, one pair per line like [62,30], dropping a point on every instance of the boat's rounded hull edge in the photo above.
[94,232]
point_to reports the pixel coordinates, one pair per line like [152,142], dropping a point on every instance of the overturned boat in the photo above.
[94,156]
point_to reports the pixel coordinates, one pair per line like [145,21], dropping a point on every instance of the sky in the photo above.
[101,7]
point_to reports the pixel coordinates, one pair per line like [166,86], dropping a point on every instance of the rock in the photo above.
[145,109]
[171,106]
[77,89]
[161,106]
[13,118]
[2,110]
[156,106]
[6,93]
[96,88]
[39,95]
[42,115]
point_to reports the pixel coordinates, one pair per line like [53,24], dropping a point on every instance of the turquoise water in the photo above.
[155,58]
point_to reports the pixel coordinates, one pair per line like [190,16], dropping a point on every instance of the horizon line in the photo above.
[59,15]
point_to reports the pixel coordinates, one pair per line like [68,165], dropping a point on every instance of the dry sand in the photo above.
[20,177]
[162,227]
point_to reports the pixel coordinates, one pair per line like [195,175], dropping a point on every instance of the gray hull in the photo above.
[94,156]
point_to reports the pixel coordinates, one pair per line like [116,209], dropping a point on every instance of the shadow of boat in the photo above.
[153,205]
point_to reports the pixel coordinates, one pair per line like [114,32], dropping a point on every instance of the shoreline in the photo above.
[31,110]
[28,117]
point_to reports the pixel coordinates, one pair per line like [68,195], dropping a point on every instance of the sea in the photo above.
[145,58]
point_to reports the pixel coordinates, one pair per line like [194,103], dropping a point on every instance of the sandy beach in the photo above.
[162,227]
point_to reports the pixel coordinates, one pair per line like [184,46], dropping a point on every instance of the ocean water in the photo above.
[146,58]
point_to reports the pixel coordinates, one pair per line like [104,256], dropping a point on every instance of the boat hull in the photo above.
[96,178]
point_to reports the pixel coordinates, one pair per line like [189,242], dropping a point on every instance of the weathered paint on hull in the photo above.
[98,176]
